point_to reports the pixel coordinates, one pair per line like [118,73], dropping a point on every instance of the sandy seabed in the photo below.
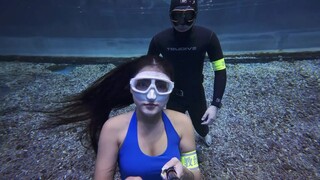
[268,128]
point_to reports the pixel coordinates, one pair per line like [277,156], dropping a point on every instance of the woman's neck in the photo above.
[149,121]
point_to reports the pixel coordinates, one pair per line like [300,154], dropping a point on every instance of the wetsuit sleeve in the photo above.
[153,50]
[220,81]
[220,73]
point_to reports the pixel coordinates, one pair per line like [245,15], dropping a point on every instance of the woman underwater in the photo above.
[143,143]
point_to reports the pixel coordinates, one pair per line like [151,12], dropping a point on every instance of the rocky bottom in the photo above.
[268,127]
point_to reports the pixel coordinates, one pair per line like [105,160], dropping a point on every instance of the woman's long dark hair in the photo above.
[111,91]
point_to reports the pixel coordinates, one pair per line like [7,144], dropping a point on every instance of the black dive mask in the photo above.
[182,17]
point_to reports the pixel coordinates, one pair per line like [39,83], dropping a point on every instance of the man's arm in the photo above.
[219,67]
[220,81]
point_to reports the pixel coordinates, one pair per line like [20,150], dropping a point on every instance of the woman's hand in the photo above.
[176,164]
[182,172]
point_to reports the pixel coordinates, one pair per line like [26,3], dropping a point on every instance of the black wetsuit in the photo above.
[187,51]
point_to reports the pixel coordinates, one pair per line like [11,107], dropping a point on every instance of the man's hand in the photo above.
[210,115]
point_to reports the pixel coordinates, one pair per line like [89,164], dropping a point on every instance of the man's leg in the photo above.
[197,108]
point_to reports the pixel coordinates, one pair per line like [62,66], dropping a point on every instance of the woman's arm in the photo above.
[189,168]
[188,149]
[108,148]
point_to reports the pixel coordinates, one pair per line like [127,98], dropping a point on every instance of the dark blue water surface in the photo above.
[124,28]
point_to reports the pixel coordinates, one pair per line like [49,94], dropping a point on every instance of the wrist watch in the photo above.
[217,103]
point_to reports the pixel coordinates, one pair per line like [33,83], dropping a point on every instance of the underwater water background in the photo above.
[124,28]
[268,128]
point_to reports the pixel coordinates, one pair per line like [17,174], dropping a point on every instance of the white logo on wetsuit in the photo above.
[182,49]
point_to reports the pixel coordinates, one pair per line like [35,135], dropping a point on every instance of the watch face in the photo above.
[217,103]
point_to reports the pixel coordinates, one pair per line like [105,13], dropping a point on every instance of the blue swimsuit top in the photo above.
[133,162]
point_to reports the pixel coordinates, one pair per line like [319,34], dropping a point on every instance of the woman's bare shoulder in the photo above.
[176,115]
[178,118]
[181,122]
[118,122]
[115,128]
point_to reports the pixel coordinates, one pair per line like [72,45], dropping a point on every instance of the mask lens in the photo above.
[162,86]
[189,15]
[142,84]
[176,15]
